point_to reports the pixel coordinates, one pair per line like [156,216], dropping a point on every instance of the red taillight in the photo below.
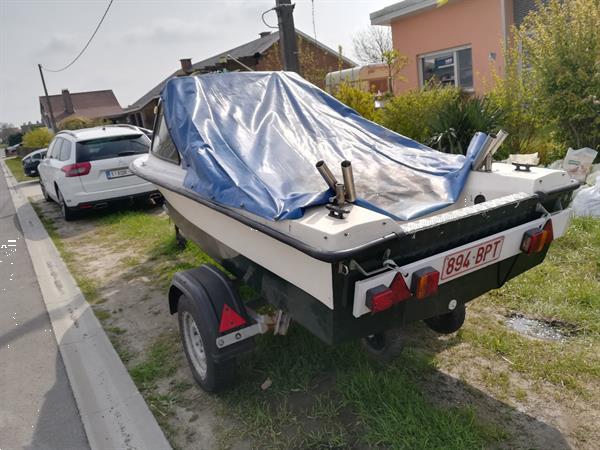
[77,170]
[230,319]
[381,298]
[534,241]
[425,282]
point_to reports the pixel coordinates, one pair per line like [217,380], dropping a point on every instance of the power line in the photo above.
[313,19]
[86,45]
[265,22]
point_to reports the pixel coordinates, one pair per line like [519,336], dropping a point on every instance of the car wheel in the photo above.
[198,340]
[44,193]
[67,213]
[384,346]
[449,322]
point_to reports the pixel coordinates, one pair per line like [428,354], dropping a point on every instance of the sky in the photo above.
[140,42]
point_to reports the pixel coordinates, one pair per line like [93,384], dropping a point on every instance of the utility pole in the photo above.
[52,120]
[287,35]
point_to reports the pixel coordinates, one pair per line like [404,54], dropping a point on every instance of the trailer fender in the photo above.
[213,293]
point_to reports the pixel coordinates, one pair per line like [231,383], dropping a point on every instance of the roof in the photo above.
[102,131]
[91,104]
[246,50]
[35,152]
[403,8]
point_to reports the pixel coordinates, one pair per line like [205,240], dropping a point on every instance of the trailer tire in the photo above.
[384,346]
[198,344]
[450,322]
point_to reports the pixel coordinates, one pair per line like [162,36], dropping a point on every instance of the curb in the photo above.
[113,412]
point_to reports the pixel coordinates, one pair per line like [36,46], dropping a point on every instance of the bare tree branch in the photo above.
[371,44]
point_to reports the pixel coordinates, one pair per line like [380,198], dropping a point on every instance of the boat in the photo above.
[343,226]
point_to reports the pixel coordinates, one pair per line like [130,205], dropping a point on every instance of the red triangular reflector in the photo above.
[230,319]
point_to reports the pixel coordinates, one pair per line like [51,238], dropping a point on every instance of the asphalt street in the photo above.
[37,407]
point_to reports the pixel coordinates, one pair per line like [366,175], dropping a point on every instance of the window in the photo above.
[450,67]
[112,147]
[65,151]
[55,144]
[162,145]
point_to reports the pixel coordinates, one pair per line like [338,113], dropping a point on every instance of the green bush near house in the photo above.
[560,49]
[455,124]
[411,113]
[360,101]
[550,91]
[38,138]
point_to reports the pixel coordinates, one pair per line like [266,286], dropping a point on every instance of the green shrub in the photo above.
[77,122]
[38,138]
[454,125]
[511,95]
[411,113]
[561,47]
[360,101]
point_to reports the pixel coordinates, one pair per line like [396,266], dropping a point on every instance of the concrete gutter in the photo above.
[113,412]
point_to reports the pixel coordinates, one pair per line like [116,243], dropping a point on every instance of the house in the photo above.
[458,42]
[91,105]
[262,54]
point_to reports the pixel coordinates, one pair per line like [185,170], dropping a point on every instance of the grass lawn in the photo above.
[468,390]
[15,166]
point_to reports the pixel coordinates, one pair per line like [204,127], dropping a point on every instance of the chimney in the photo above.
[66,95]
[264,33]
[186,65]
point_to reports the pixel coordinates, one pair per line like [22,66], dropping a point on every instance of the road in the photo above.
[37,407]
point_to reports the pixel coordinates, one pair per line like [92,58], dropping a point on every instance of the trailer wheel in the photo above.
[384,346]
[198,343]
[181,241]
[449,322]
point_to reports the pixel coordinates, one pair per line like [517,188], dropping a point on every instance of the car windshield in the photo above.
[112,147]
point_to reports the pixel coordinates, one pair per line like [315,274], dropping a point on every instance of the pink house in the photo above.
[458,42]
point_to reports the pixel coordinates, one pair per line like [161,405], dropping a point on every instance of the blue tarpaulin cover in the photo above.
[251,140]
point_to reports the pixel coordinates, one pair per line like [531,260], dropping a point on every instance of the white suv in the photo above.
[88,168]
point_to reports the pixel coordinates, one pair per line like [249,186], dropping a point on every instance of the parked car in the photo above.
[32,161]
[89,168]
[12,150]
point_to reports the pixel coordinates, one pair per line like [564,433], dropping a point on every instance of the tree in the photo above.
[559,46]
[374,45]
[371,45]
[15,138]
[395,62]
[6,129]
[38,138]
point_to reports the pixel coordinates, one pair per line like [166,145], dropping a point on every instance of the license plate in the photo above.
[471,258]
[118,173]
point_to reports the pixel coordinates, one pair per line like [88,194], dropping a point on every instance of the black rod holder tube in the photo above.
[349,181]
[326,174]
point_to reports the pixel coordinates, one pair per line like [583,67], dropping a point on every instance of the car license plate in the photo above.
[118,173]
[471,258]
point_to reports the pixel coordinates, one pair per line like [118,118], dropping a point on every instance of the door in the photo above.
[52,167]
[44,169]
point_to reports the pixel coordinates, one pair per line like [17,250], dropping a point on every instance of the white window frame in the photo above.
[454,51]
